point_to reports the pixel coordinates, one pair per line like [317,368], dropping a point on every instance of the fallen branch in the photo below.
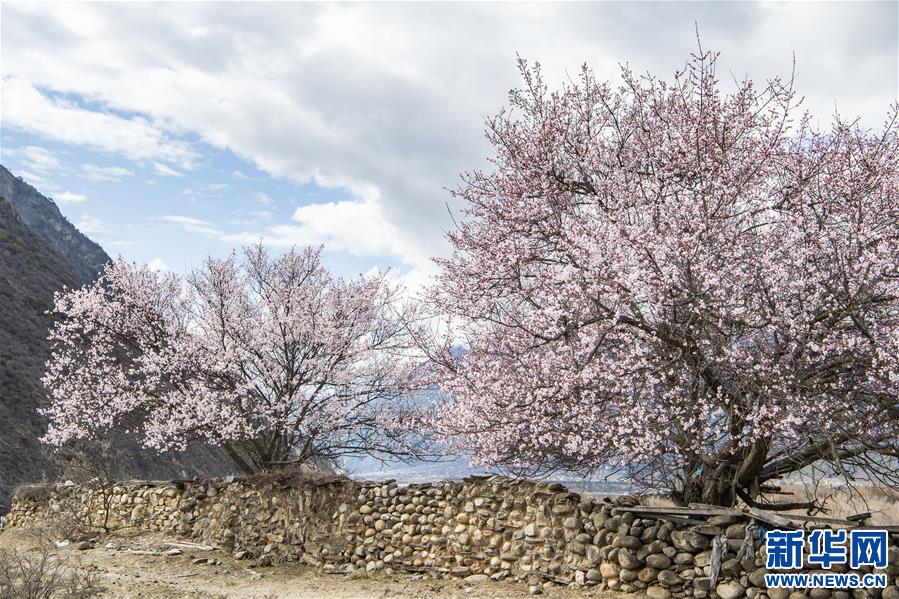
[186,545]
[779,507]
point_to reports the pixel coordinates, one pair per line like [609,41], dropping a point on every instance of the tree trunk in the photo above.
[713,490]
[719,485]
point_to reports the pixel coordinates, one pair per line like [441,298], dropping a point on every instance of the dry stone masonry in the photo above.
[480,527]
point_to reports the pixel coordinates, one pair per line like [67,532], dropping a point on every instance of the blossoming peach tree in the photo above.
[695,286]
[271,358]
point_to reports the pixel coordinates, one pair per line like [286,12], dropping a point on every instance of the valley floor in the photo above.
[138,567]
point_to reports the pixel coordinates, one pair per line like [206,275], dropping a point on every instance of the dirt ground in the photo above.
[137,567]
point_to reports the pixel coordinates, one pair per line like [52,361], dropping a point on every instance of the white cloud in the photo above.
[69,197]
[218,186]
[195,225]
[358,227]
[263,198]
[118,243]
[157,264]
[92,172]
[39,159]
[90,225]
[38,163]
[161,169]
[256,218]
[26,107]
[383,101]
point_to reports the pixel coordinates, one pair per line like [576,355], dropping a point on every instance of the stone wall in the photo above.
[481,527]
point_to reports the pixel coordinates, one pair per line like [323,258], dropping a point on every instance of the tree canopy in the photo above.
[692,284]
[272,358]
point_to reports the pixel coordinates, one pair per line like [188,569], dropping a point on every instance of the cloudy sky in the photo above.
[171,131]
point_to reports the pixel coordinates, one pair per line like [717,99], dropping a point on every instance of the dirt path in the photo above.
[137,567]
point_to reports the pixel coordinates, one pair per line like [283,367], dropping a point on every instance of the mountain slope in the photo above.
[32,268]
[45,220]
[29,271]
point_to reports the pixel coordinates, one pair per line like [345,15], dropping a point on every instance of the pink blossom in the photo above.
[688,284]
[271,358]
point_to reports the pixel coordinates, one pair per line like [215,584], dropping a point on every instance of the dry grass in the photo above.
[39,572]
[657,501]
[843,502]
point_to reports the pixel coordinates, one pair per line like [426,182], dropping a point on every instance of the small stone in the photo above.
[476,578]
[757,577]
[707,529]
[730,590]
[609,570]
[687,540]
[84,545]
[627,559]
[669,578]
[535,589]
[703,559]
[658,561]
[702,583]
[655,592]
[628,575]
[630,542]
[683,558]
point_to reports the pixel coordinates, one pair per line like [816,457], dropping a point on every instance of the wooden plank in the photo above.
[708,506]
[680,519]
[680,511]
[769,518]
[804,518]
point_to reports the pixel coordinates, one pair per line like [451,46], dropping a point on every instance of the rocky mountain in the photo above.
[40,252]
[45,220]
[29,271]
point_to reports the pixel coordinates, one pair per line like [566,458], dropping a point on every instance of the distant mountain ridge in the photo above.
[40,253]
[43,217]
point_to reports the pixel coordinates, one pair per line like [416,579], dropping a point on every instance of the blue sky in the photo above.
[171,217]
[168,132]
